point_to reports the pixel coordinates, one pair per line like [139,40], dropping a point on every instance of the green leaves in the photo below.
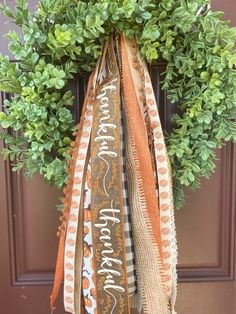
[32,33]
[9,76]
[63,38]
[151,31]
[21,15]
[46,75]
[5,10]
[128,7]
[56,77]
[6,121]
[204,117]
[55,172]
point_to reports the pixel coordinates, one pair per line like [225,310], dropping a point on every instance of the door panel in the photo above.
[205,228]
[208,222]
[206,238]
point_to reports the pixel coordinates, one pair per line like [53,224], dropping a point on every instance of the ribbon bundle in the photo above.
[117,246]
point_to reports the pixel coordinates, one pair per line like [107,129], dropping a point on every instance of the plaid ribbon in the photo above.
[130,261]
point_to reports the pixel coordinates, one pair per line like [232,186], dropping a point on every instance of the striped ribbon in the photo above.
[71,236]
[169,243]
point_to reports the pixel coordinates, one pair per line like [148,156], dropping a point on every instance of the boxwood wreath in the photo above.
[64,37]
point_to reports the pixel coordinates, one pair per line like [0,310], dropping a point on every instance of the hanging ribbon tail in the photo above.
[144,211]
[149,180]
[58,273]
[165,190]
[117,246]
[108,225]
[59,270]
[73,244]
[88,269]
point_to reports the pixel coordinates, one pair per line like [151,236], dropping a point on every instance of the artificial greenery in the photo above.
[64,37]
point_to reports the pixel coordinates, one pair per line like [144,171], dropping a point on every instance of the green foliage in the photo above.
[64,37]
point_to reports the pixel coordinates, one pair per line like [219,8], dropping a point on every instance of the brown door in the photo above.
[205,227]
[206,233]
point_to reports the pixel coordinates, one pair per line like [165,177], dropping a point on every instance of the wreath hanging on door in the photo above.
[64,37]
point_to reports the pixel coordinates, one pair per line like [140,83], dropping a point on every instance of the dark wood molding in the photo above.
[224,269]
[16,229]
